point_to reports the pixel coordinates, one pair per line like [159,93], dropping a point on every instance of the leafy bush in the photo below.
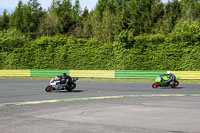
[179,50]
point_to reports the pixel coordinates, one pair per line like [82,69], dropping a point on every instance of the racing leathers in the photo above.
[171,79]
[65,80]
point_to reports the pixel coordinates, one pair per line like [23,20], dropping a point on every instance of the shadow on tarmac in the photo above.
[170,88]
[65,91]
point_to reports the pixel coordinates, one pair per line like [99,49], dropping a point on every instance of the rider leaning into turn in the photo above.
[65,79]
[171,79]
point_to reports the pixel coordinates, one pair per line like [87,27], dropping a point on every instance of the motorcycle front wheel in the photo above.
[155,85]
[48,89]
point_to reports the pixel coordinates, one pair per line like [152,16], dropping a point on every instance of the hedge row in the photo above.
[179,50]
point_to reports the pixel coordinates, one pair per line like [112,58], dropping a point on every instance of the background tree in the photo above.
[26,18]
[116,34]
[48,25]
[77,27]
[86,19]
[16,19]
[32,14]
[55,6]
[4,21]
[76,11]
[190,9]
[63,10]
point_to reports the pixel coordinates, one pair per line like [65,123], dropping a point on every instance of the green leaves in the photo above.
[4,20]
[119,34]
[178,50]
[11,39]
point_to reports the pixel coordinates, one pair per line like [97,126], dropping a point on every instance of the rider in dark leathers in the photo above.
[171,77]
[65,79]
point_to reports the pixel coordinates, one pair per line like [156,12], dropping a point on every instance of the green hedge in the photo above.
[179,50]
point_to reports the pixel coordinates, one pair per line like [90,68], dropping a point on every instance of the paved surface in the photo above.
[155,114]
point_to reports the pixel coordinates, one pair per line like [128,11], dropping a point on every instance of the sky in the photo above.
[10,5]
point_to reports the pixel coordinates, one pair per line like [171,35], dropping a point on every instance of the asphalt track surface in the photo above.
[98,107]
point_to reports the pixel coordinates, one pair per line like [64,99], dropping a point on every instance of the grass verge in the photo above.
[105,79]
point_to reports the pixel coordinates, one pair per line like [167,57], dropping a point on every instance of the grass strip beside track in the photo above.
[190,81]
[96,98]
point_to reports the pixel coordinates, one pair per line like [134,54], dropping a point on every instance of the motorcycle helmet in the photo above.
[168,72]
[64,75]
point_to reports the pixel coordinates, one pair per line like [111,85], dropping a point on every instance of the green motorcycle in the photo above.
[161,82]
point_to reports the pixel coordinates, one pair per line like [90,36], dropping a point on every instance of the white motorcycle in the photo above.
[55,84]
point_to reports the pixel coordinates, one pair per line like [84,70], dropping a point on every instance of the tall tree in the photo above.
[16,19]
[26,18]
[76,11]
[66,6]
[190,9]
[87,25]
[63,11]
[55,6]
[4,21]
[48,25]
[173,12]
[100,8]
[32,14]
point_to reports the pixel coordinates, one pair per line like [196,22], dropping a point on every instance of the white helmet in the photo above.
[168,72]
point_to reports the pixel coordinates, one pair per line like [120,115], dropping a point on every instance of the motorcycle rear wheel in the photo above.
[175,84]
[72,87]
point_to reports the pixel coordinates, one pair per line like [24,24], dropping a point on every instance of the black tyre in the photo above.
[48,89]
[72,87]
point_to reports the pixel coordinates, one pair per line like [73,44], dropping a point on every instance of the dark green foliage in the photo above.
[26,17]
[76,12]
[16,20]
[178,50]
[48,25]
[4,21]
[11,39]
[116,35]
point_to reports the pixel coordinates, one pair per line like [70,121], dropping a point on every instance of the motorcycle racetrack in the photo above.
[98,107]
